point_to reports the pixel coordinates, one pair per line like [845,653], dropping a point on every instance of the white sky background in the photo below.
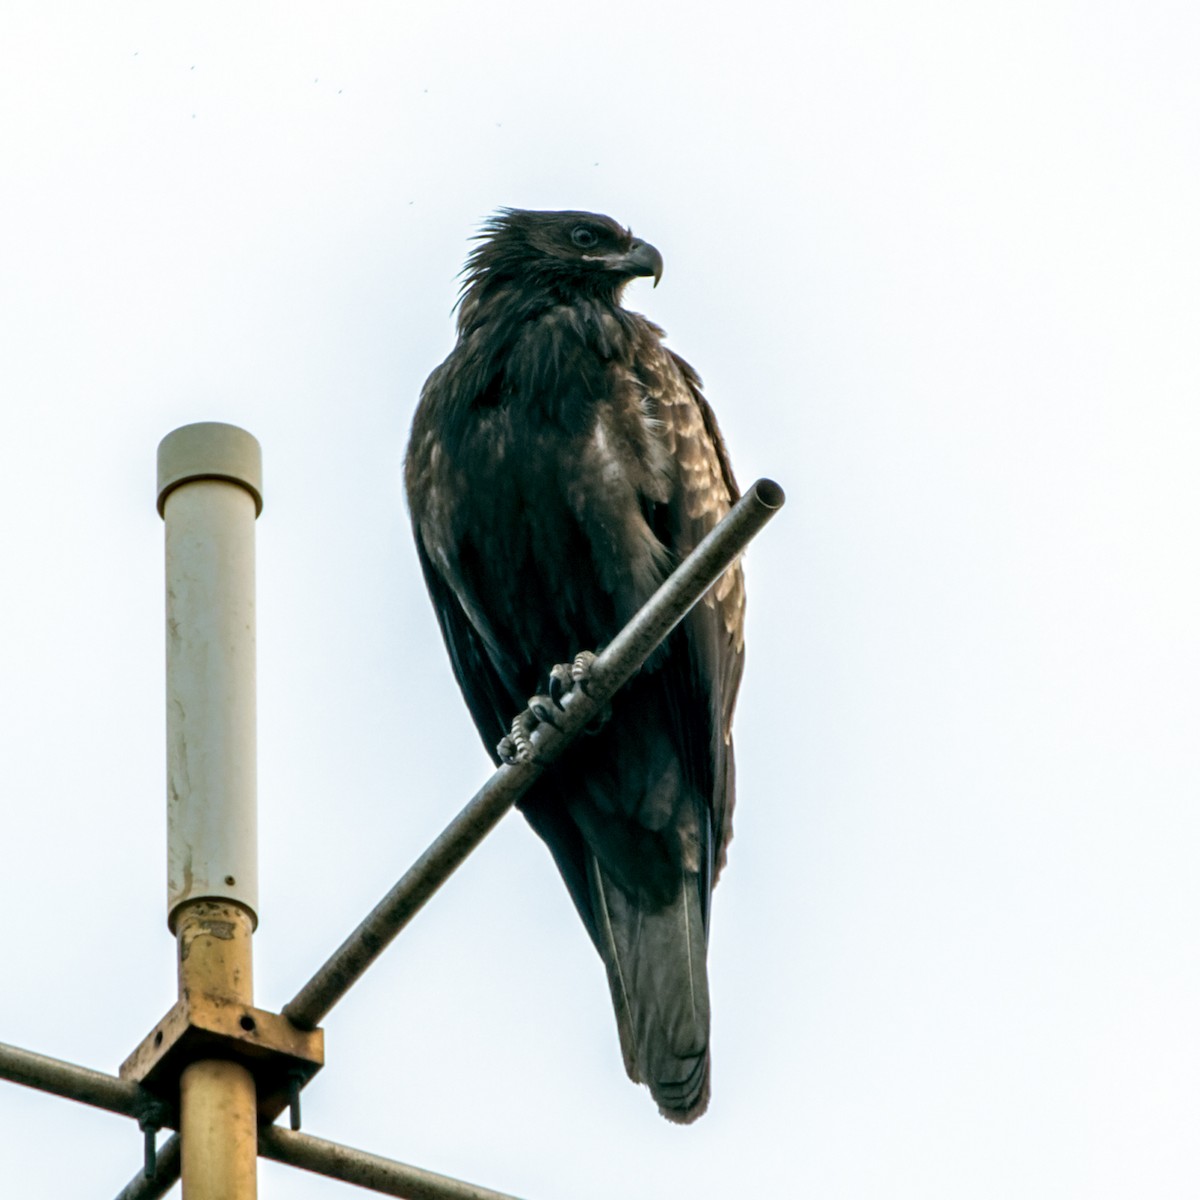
[938,265]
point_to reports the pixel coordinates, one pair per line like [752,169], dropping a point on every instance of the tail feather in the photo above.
[655,960]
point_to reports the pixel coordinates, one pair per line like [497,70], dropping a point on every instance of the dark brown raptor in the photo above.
[562,461]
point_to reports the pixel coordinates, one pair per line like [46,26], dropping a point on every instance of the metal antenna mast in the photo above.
[217,1069]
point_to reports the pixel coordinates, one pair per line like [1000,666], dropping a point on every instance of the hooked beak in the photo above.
[641,259]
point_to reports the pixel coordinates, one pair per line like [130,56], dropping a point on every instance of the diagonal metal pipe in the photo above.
[614,665]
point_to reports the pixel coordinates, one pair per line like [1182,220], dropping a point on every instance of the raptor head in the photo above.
[566,253]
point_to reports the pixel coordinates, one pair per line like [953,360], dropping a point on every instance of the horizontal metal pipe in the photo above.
[381,1175]
[101,1091]
[615,664]
[166,1174]
[321,1157]
[66,1079]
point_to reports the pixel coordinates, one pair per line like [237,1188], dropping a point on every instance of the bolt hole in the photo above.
[247,1023]
[158,1038]
[230,881]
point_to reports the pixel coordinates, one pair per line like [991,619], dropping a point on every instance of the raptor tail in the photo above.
[655,958]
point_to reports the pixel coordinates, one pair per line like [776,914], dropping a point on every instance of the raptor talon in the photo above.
[515,747]
[545,709]
[560,683]
[575,674]
[581,668]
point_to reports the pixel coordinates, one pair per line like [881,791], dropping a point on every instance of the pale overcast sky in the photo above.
[938,266]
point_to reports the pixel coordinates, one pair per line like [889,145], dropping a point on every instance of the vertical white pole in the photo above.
[209,494]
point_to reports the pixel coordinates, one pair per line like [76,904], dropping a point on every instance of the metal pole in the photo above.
[209,493]
[615,664]
[382,1175]
[73,1082]
[322,1157]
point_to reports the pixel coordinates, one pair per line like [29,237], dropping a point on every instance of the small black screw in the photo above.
[150,1136]
[295,1079]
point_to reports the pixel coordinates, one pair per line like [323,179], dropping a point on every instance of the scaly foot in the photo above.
[545,708]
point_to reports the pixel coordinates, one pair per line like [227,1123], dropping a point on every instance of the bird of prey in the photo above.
[562,461]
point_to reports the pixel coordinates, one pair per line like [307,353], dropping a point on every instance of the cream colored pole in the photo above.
[210,493]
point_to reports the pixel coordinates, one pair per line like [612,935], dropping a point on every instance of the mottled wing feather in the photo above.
[715,629]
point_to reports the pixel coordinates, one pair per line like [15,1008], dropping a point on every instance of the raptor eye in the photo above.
[584,236]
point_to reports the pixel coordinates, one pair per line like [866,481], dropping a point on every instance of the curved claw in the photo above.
[560,683]
[545,709]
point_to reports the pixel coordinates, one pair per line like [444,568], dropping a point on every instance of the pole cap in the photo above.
[209,450]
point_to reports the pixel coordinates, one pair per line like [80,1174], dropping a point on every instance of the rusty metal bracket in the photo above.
[281,1057]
